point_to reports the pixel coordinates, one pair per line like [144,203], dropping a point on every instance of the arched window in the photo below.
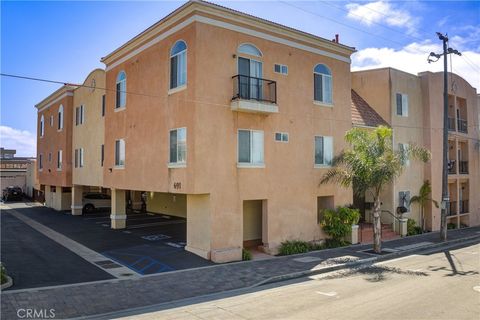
[121,87]
[42,126]
[60,117]
[178,64]
[322,83]
[250,49]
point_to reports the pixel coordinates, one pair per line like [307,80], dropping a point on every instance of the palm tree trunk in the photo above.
[377,226]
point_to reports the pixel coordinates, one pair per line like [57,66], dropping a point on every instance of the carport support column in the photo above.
[118,216]
[77,192]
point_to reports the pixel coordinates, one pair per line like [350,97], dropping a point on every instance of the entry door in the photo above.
[250,74]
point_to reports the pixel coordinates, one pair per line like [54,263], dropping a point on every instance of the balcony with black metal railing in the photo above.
[462,125]
[255,95]
[452,208]
[463,167]
[463,206]
[451,124]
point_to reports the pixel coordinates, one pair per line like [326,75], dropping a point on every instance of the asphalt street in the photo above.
[438,285]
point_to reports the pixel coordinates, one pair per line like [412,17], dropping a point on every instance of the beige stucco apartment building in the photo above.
[413,106]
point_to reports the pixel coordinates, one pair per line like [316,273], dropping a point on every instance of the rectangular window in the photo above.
[40,161]
[281,136]
[403,147]
[59,160]
[178,70]
[76,158]
[402,104]
[102,154]
[103,105]
[49,157]
[120,153]
[280,68]
[79,115]
[51,121]
[323,150]
[322,88]
[80,156]
[178,145]
[404,199]
[250,147]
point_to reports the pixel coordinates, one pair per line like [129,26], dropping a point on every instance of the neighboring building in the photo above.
[88,137]
[54,147]
[13,170]
[32,189]
[412,106]
[204,132]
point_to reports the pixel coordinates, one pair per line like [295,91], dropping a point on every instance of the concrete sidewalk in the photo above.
[114,295]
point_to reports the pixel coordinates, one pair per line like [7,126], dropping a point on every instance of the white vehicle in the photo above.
[95,200]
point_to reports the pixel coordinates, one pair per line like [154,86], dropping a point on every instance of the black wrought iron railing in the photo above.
[462,125]
[451,124]
[251,88]
[463,167]
[452,167]
[463,206]
[452,208]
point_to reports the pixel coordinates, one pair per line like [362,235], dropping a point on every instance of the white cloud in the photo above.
[413,59]
[382,12]
[21,140]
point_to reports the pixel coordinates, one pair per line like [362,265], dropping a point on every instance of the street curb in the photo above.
[7,284]
[360,262]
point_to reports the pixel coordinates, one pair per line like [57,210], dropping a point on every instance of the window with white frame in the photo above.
[250,147]
[51,121]
[79,115]
[404,199]
[280,68]
[403,147]
[42,126]
[79,158]
[40,161]
[60,117]
[121,90]
[281,136]
[322,83]
[120,153]
[402,104]
[323,151]
[59,160]
[178,145]
[178,64]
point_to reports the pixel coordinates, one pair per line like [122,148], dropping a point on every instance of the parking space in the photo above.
[151,243]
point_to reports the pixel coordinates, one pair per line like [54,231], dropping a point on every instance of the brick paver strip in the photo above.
[109,296]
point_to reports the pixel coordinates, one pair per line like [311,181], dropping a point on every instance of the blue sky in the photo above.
[65,40]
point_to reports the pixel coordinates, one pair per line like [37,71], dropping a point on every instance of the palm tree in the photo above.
[422,199]
[370,164]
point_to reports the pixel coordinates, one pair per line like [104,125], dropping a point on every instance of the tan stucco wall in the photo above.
[289,182]
[54,140]
[167,203]
[31,178]
[91,134]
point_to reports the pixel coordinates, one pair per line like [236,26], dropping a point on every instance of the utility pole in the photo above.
[445,195]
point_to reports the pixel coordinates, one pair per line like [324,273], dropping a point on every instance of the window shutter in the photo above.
[399,104]
[328,150]
[404,105]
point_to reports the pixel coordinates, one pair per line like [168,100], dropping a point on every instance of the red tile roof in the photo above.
[363,115]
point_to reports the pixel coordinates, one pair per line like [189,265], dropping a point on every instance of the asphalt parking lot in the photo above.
[151,243]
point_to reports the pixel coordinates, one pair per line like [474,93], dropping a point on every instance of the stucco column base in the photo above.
[118,221]
[205,254]
[226,255]
[403,227]
[77,210]
[352,236]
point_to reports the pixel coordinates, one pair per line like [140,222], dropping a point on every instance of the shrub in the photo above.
[451,225]
[293,247]
[412,228]
[3,274]
[246,255]
[338,223]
